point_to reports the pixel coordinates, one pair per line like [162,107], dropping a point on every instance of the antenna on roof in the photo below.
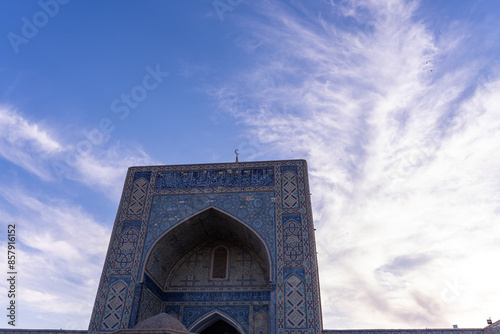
[236,152]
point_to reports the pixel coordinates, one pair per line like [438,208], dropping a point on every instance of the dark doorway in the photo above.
[220,327]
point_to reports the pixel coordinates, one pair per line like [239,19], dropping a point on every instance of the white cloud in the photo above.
[25,143]
[97,162]
[60,252]
[402,147]
[106,168]
[16,129]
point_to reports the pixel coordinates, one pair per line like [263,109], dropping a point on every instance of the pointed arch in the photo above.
[210,318]
[208,223]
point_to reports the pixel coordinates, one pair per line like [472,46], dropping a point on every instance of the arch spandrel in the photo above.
[255,210]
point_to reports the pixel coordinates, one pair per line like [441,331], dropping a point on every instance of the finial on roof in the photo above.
[236,152]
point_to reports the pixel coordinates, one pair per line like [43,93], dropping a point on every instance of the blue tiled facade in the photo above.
[259,211]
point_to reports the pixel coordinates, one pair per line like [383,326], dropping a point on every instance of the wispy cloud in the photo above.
[37,149]
[60,253]
[25,143]
[401,140]
[105,168]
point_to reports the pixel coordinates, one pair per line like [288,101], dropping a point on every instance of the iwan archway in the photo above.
[209,264]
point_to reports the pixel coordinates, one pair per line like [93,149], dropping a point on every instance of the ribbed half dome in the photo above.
[162,321]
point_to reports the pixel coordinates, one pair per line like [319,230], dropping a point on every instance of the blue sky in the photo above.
[395,105]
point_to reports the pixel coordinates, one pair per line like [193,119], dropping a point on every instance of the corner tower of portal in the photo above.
[212,245]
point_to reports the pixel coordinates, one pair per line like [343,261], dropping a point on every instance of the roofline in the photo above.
[221,163]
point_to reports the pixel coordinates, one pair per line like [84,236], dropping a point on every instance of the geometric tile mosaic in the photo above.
[290,190]
[114,306]
[292,241]
[295,303]
[138,196]
[126,248]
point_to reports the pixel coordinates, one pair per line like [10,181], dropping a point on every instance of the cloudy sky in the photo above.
[394,104]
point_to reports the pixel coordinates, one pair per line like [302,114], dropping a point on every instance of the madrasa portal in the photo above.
[215,248]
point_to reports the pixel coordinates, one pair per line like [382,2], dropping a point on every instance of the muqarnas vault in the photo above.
[228,246]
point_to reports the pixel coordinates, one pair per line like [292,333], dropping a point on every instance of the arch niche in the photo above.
[216,322]
[180,268]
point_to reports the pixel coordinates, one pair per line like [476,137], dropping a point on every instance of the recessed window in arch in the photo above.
[219,262]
